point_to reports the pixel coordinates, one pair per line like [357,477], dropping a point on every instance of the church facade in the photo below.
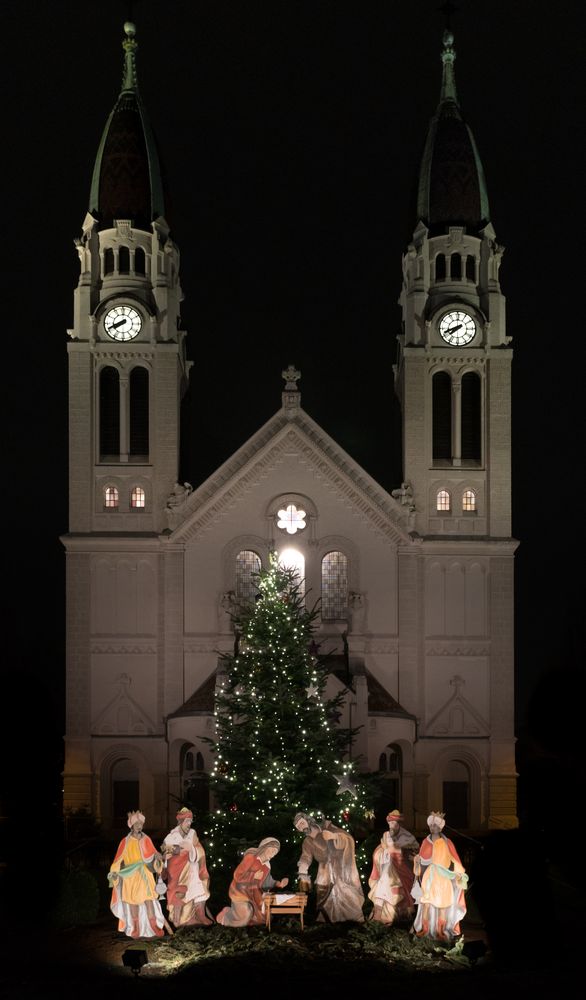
[415,587]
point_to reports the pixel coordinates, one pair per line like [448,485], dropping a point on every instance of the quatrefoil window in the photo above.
[291,519]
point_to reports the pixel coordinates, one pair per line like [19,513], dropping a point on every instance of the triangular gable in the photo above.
[262,452]
[457,717]
[123,715]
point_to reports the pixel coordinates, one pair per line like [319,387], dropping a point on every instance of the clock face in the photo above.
[457,328]
[122,323]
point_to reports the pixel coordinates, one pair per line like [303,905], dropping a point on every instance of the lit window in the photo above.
[137,497]
[334,586]
[293,560]
[443,500]
[291,519]
[469,500]
[111,497]
[248,567]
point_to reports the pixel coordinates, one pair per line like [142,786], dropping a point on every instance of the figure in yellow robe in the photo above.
[134,898]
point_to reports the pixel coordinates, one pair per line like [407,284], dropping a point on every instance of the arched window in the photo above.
[109,261]
[111,497]
[382,762]
[456,266]
[124,260]
[334,586]
[109,415]
[469,500]
[471,437]
[139,414]
[442,501]
[471,267]
[248,564]
[440,267]
[195,782]
[139,261]
[137,497]
[442,417]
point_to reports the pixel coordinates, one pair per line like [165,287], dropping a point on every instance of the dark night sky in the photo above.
[291,131]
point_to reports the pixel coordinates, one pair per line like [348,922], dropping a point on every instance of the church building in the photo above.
[415,586]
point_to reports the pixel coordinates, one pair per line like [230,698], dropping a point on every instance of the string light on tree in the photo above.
[276,746]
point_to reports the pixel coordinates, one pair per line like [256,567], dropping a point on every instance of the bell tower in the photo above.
[127,362]
[453,376]
[453,381]
[127,373]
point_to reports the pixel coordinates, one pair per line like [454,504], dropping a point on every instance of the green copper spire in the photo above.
[127,181]
[451,188]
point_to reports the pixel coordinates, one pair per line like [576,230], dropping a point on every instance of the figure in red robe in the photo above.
[187,876]
[251,877]
[391,878]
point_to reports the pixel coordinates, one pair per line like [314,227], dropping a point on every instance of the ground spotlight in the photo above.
[134,958]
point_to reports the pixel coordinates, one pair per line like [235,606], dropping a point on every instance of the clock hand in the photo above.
[119,322]
[453,329]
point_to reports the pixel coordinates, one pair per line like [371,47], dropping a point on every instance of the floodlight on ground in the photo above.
[134,958]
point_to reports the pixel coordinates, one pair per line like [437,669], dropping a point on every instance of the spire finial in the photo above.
[448,92]
[130,45]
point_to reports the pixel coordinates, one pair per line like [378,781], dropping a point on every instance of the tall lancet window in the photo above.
[139,414]
[442,417]
[247,566]
[139,261]
[440,267]
[124,260]
[334,586]
[109,415]
[456,266]
[471,413]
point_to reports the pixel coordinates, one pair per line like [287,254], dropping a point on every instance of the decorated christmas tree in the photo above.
[278,749]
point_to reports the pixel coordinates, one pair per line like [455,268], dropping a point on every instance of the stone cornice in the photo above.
[466,647]
[116,542]
[203,646]
[466,545]
[112,647]
[388,646]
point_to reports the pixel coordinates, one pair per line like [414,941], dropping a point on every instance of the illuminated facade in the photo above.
[416,587]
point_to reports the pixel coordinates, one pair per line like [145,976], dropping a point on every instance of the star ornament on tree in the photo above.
[345,785]
[312,691]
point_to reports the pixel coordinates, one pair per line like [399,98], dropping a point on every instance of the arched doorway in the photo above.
[456,794]
[125,787]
